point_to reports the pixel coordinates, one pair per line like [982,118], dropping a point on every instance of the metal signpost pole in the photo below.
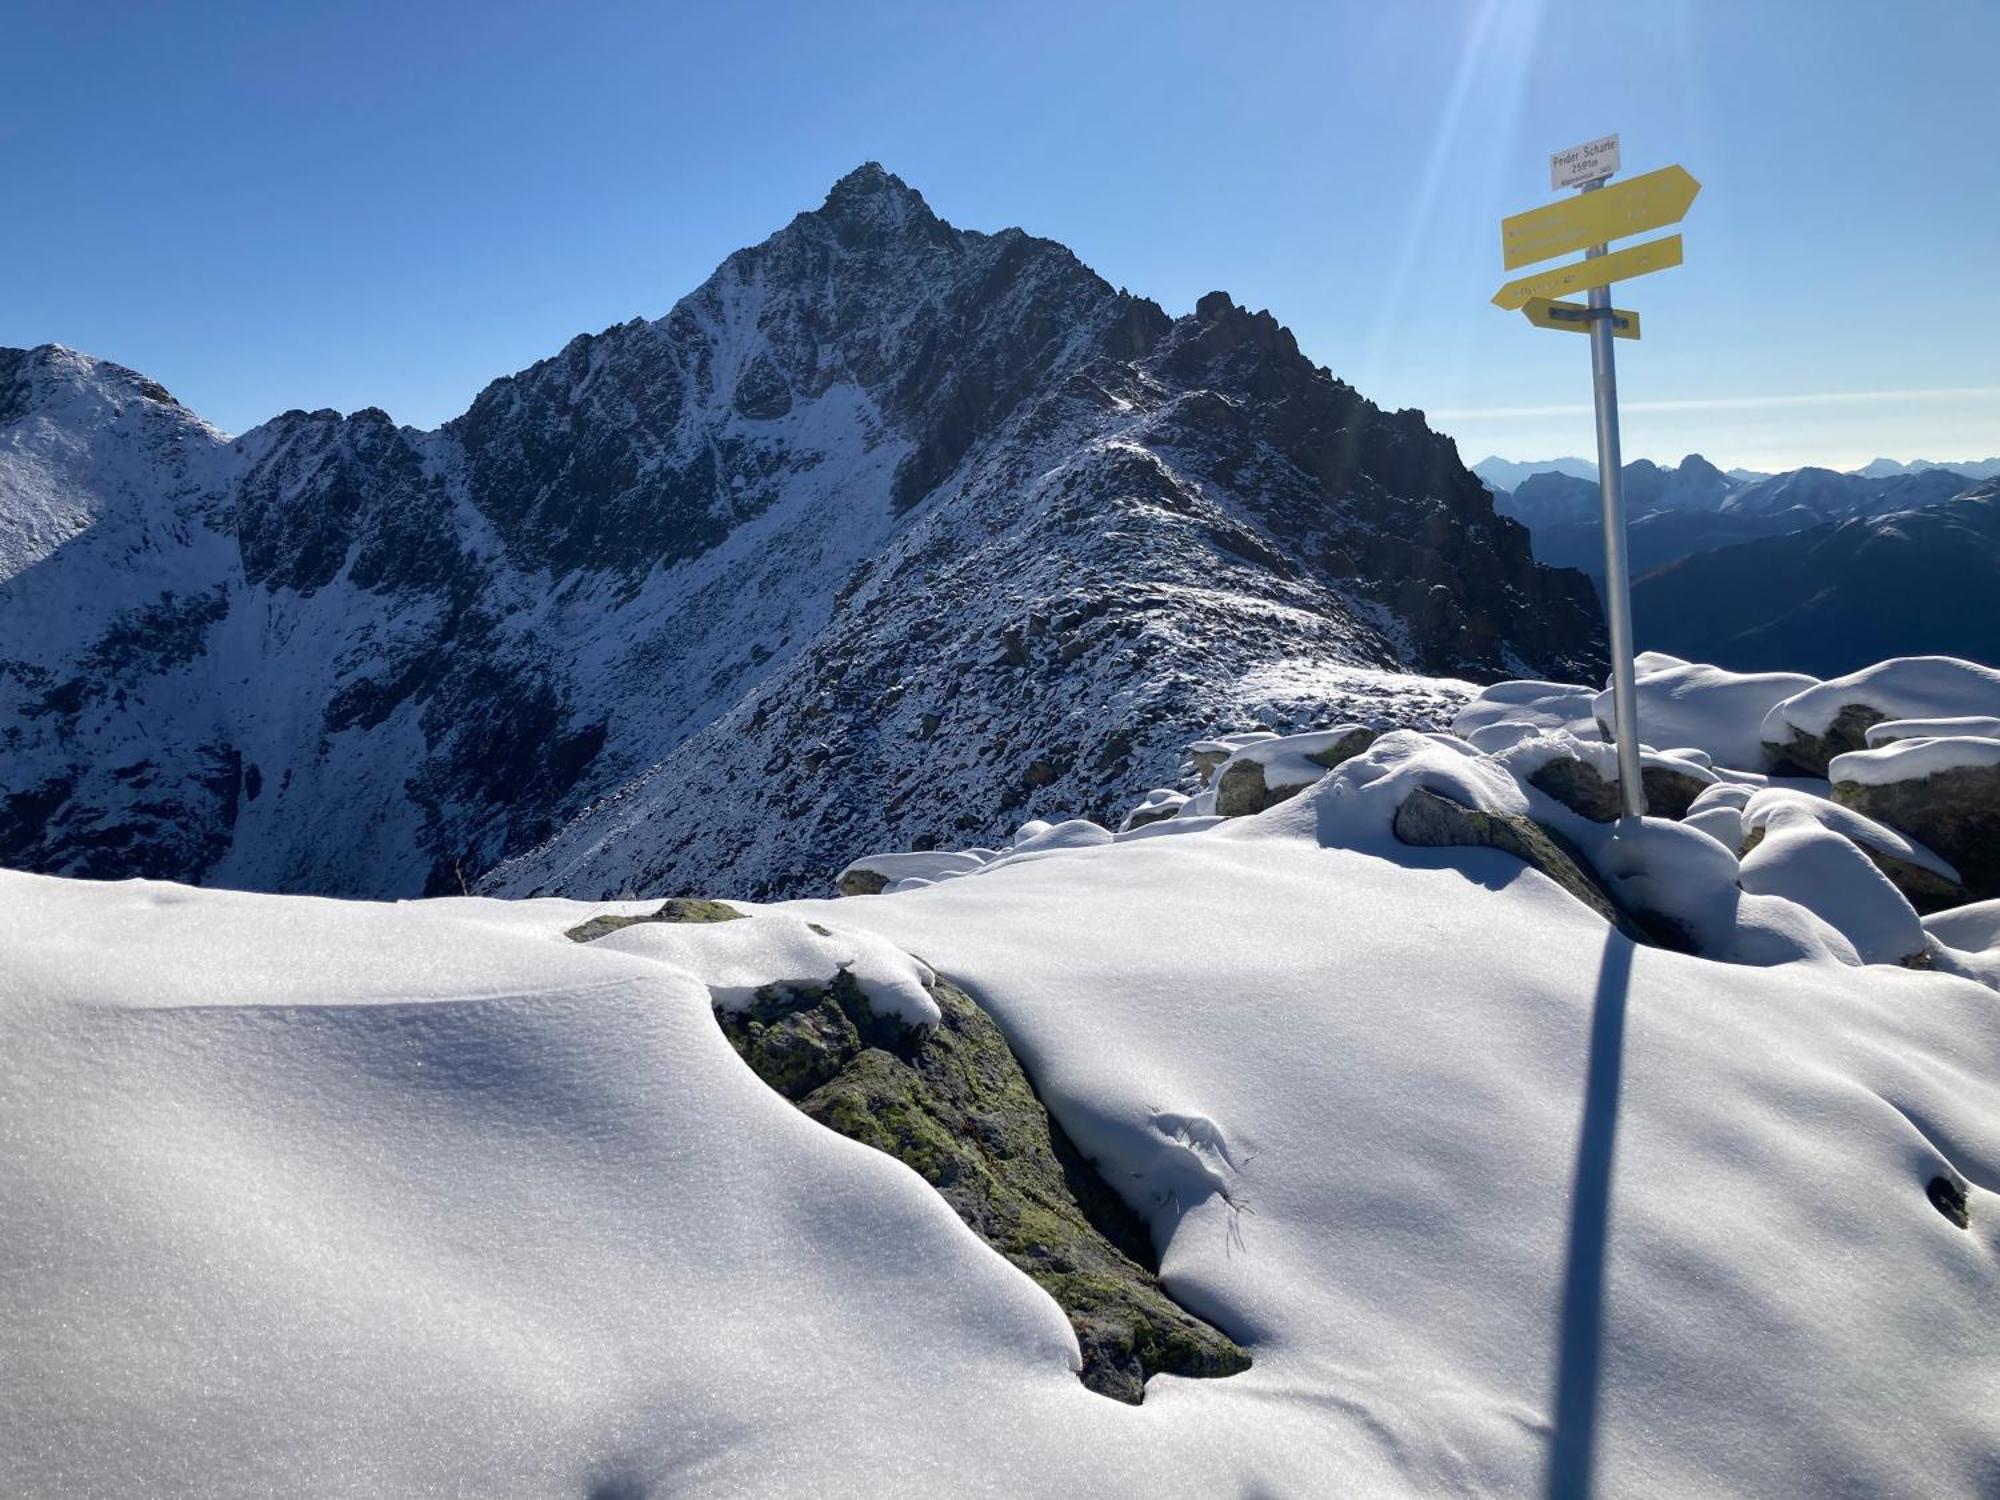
[1588,222]
[1617,579]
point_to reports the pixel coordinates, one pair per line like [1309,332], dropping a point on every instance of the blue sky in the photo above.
[277,205]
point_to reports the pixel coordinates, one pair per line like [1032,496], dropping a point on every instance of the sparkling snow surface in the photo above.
[305,1196]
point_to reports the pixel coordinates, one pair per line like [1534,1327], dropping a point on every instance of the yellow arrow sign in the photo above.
[1574,317]
[1631,207]
[1582,275]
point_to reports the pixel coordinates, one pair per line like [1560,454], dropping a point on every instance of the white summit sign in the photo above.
[1586,163]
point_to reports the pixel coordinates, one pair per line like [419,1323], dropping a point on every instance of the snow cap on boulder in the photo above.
[1710,709]
[875,873]
[1266,772]
[1539,705]
[1803,860]
[1811,727]
[737,959]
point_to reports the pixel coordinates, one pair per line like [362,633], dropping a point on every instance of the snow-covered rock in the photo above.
[1267,771]
[1929,883]
[1944,793]
[1053,838]
[1914,759]
[1722,822]
[1205,756]
[875,872]
[1159,803]
[1798,857]
[1539,705]
[737,960]
[1832,718]
[1966,941]
[1978,726]
[1716,711]
[1582,774]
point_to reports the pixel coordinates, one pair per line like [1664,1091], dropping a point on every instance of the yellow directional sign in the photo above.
[1648,202]
[1582,275]
[1575,317]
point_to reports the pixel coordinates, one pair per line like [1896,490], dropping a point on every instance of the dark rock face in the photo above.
[1948,1198]
[1582,790]
[1956,813]
[1809,754]
[879,484]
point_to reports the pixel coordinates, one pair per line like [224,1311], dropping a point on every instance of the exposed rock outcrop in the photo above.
[1803,753]
[954,1105]
[1955,812]
[676,909]
[1580,788]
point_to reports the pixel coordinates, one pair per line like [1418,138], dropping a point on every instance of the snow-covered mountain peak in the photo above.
[886,526]
[52,376]
[85,443]
[870,205]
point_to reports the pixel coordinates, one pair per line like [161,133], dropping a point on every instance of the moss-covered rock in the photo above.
[677,909]
[953,1104]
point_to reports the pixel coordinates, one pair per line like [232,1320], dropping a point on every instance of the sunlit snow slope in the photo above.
[304,1196]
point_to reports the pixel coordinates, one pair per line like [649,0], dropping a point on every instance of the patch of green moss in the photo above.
[953,1104]
[675,909]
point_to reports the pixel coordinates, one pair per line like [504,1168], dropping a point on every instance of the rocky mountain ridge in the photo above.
[887,526]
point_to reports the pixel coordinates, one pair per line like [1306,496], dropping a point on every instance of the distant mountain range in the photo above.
[1809,570]
[1835,596]
[889,534]
[1694,507]
[1971,468]
[1505,474]
[1508,474]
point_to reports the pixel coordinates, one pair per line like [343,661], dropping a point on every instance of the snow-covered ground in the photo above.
[307,1196]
